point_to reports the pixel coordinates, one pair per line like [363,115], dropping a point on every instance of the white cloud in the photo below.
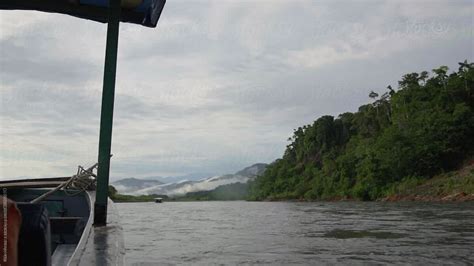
[215,87]
[324,55]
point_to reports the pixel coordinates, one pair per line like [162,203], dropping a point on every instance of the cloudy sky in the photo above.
[217,86]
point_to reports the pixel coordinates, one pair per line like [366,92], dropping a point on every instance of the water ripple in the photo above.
[290,233]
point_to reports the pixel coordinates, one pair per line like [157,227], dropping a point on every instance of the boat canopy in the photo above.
[143,12]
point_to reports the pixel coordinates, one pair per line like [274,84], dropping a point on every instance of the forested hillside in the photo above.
[235,191]
[422,129]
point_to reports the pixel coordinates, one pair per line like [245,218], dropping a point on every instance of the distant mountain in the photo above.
[129,185]
[235,191]
[185,186]
[174,179]
[254,170]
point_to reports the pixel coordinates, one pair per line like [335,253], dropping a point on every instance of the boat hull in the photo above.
[74,238]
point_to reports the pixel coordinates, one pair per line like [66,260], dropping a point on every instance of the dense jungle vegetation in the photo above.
[235,191]
[117,197]
[422,129]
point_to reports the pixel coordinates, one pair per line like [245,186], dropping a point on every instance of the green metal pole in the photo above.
[106,116]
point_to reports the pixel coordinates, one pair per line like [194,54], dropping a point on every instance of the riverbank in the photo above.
[455,186]
[131,198]
[117,197]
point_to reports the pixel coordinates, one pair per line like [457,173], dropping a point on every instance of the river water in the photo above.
[290,233]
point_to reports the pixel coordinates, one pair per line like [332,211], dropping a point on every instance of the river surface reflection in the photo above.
[290,233]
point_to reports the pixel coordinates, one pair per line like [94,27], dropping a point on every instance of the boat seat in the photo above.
[34,245]
[66,230]
[64,225]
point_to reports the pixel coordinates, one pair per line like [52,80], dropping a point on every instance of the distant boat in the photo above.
[158,200]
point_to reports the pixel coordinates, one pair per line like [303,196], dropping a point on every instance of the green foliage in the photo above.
[236,191]
[459,181]
[112,191]
[422,129]
[116,197]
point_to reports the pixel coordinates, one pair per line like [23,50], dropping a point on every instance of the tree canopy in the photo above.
[424,128]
